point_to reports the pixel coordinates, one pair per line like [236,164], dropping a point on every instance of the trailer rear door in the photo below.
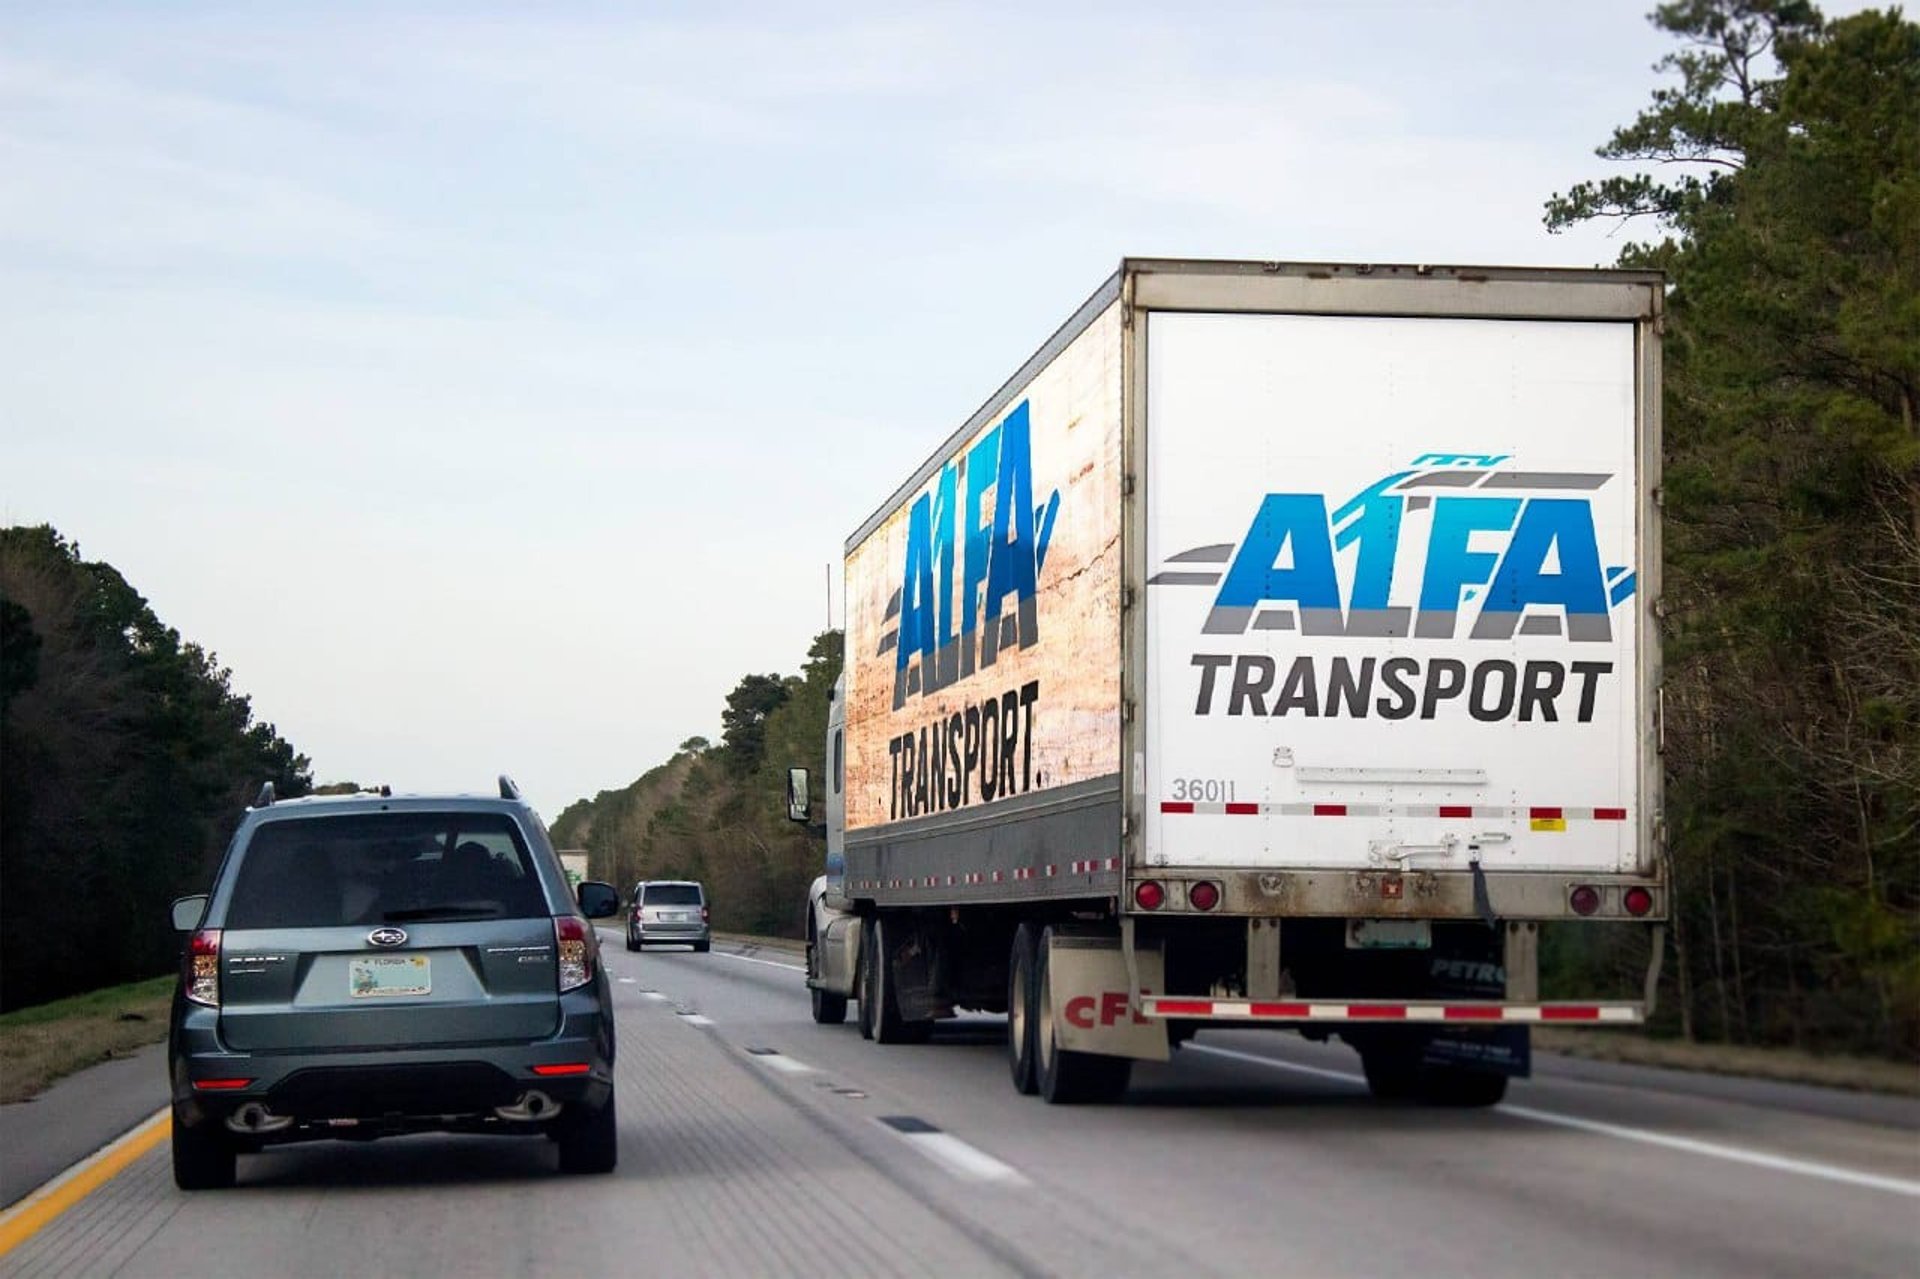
[1391,590]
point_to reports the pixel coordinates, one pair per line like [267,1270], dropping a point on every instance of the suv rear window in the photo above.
[372,868]
[672,895]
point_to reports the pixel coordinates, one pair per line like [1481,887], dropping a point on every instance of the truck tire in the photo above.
[589,1140]
[1020,1019]
[1392,1070]
[1068,1078]
[889,1027]
[203,1159]
[828,1009]
[863,979]
[1450,1086]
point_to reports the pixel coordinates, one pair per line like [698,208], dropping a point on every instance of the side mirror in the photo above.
[799,797]
[597,900]
[187,912]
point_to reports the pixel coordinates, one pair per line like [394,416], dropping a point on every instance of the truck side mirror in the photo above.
[799,797]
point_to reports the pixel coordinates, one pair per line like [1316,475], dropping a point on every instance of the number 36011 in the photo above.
[1203,790]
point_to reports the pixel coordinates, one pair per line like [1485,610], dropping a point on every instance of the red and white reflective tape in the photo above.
[1381,1010]
[1465,811]
[974,878]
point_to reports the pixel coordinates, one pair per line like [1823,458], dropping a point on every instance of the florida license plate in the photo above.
[377,976]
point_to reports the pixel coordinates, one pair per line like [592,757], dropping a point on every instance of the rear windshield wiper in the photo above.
[469,910]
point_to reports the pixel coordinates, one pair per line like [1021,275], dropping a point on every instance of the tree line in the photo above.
[126,758]
[1785,200]
[716,812]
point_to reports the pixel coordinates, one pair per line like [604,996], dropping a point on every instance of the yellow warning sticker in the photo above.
[1550,823]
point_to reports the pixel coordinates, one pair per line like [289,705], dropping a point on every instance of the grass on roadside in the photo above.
[40,1044]
[1783,1065]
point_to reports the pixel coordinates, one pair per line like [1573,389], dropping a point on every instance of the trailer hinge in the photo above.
[1126,711]
[1126,485]
[1659,495]
[1126,598]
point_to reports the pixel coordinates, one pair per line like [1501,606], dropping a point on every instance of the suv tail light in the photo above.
[705,915]
[576,961]
[201,978]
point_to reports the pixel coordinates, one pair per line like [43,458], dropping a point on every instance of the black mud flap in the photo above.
[1475,973]
[1505,1051]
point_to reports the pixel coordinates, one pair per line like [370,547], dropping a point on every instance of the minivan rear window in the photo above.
[672,895]
[373,868]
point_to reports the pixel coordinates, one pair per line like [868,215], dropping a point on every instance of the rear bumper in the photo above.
[669,933]
[1461,1013]
[429,1086]
[1387,893]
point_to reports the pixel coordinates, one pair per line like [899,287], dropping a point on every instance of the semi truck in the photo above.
[1276,647]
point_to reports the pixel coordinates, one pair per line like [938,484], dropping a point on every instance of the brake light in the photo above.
[1204,895]
[576,961]
[564,1068]
[1148,895]
[1585,899]
[201,979]
[704,916]
[221,1085]
[1637,900]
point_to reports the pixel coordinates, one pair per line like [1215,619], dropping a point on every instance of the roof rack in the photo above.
[507,789]
[265,798]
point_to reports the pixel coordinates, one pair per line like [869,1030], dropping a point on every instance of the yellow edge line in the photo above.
[34,1213]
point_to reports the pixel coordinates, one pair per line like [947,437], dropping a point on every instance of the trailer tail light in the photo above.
[1585,899]
[1204,895]
[1148,895]
[1637,900]
[576,962]
[201,980]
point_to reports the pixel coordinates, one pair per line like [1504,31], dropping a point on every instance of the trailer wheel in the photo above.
[1392,1070]
[1020,1019]
[1447,1086]
[828,1009]
[1066,1077]
[889,1027]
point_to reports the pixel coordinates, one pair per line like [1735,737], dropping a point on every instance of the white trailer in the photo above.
[1276,647]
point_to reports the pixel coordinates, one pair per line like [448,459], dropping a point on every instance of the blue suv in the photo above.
[373,964]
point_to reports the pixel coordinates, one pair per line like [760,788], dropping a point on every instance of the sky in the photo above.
[491,387]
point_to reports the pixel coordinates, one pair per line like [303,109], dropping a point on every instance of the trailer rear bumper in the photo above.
[1375,1012]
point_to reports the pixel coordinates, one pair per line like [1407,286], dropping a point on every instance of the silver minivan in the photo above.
[669,911]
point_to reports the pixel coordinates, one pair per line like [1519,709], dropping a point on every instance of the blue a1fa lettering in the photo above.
[949,628]
[1284,573]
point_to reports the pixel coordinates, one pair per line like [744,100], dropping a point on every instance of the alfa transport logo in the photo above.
[1507,553]
[976,545]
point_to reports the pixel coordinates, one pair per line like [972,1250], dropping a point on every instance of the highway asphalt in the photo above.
[754,1142]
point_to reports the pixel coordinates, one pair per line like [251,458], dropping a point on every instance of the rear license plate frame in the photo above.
[389,976]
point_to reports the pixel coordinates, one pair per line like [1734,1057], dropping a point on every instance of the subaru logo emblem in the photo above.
[387,936]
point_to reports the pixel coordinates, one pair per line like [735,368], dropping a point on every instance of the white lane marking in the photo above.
[695,1019]
[1343,1075]
[782,1063]
[749,959]
[653,994]
[625,981]
[1690,1145]
[1734,1154]
[960,1159]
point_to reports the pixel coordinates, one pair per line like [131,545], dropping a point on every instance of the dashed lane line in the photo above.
[779,1061]
[969,1163]
[37,1211]
[749,959]
[1689,1145]
[695,1019]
